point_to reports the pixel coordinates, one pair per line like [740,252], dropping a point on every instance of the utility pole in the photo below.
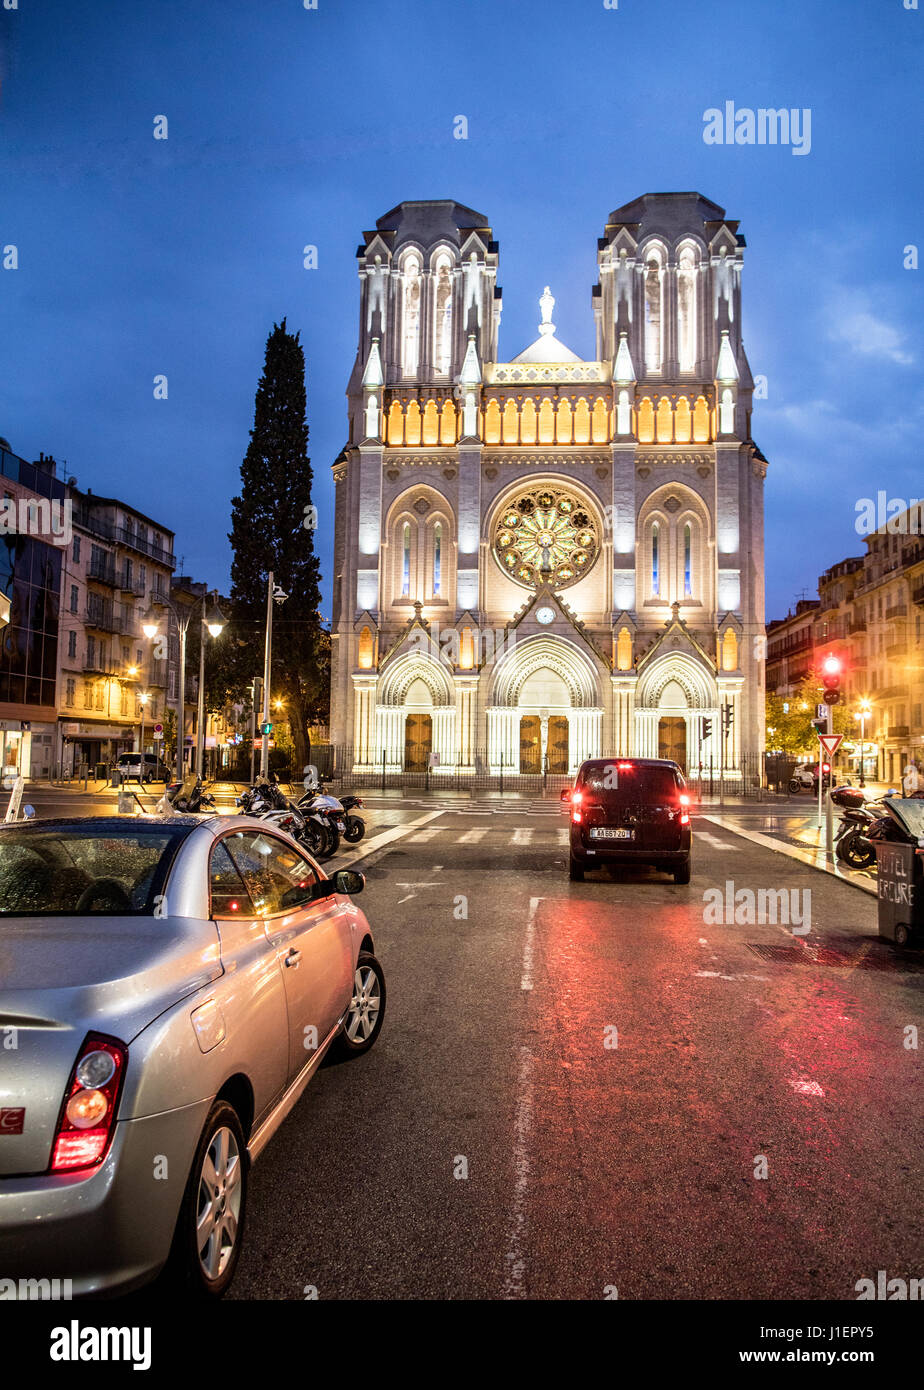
[267,663]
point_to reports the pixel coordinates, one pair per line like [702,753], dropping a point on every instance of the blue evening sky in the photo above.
[290,126]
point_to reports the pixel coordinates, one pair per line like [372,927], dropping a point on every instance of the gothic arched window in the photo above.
[406,561]
[365,649]
[410,349]
[645,422]
[687,560]
[654,269]
[395,424]
[683,422]
[701,421]
[437,559]
[686,309]
[656,559]
[442,316]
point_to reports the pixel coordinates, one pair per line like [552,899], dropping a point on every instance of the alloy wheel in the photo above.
[364,1006]
[218,1209]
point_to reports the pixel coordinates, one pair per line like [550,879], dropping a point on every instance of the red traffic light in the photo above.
[832,666]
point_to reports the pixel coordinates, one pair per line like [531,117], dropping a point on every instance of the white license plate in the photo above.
[607,832]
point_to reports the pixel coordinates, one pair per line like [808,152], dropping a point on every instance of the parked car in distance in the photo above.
[130,767]
[173,985]
[630,811]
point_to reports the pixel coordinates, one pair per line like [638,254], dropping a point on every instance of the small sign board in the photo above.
[434,759]
[830,743]
[158,728]
[822,711]
[158,734]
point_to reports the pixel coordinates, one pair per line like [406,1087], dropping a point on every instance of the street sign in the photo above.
[830,743]
[822,711]
[158,728]
[158,733]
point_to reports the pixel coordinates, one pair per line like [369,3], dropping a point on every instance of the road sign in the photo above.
[158,733]
[830,743]
[158,728]
[822,711]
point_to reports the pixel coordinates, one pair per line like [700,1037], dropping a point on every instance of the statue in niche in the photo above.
[376,299]
[723,284]
[472,295]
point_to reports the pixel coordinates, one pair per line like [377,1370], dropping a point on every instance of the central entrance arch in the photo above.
[672,739]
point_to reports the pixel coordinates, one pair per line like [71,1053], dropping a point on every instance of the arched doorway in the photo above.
[530,743]
[418,741]
[672,739]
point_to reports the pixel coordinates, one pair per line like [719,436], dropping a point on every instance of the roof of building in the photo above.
[547,348]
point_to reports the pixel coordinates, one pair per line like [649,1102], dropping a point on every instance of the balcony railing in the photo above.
[102,571]
[898,731]
[857,625]
[899,611]
[102,616]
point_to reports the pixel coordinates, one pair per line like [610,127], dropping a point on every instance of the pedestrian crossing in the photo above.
[520,838]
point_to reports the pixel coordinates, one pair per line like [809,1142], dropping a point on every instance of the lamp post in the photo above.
[215,623]
[142,700]
[274,594]
[150,626]
[865,708]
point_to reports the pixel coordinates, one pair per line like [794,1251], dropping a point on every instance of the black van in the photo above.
[630,811]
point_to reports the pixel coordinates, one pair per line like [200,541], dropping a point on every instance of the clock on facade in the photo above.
[545,615]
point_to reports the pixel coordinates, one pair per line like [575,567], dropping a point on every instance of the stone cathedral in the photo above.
[544,559]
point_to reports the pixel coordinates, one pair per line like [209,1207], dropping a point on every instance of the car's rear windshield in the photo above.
[85,869]
[132,758]
[623,782]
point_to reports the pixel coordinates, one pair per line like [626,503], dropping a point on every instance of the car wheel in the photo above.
[901,934]
[575,872]
[210,1228]
[363,1021]
[682,871]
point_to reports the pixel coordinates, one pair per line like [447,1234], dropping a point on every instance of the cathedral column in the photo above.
[466,709]
[444,737]
[389,737]
[503,738]
[585,728]
[623,712]
[364,724]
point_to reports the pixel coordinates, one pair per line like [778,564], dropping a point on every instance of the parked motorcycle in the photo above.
[330,810]
[354,827]
[860,825]
[266,801]
[189,796]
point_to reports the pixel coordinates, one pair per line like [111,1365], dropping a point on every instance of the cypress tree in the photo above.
[268,533]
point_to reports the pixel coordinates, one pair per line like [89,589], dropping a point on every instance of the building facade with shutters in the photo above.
[543,558]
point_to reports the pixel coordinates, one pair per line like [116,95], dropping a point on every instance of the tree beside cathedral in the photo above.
[269,534]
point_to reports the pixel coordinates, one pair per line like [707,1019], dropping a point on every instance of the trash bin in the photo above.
[116,780]
[102,772]
[900,869]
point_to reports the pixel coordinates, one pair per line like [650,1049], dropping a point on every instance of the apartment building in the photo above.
[870,612]
[33,532]
[117,562]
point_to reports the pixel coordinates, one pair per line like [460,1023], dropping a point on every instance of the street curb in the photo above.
[805,856]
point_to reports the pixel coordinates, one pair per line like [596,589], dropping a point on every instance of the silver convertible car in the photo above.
[167,990]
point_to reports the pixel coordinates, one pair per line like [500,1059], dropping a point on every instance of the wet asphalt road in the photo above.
[495,1143]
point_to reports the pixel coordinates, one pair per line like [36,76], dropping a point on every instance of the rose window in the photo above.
[546,536]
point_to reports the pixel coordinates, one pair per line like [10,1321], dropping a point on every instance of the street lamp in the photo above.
[865,708]
[215,623]
[274,594]
[143,699]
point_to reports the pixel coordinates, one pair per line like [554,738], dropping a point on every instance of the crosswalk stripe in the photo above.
[522,837]
[472,837]
[423,836]
[715,843]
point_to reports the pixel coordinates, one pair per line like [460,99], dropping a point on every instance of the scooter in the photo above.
[330,810]
[354,827]
[266,801]
[189,796]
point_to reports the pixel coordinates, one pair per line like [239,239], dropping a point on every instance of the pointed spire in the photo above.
[373,376]
[470,374]
[623,370]
[726,367]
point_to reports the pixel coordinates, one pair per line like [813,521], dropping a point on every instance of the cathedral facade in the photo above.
[544,559]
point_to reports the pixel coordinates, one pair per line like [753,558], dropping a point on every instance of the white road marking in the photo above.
[715,843]
[471,837]
[514,1260]
[717,975]
[522,837]
[526,981]
[423,837]
[564,837]
[703,941]
[387,837]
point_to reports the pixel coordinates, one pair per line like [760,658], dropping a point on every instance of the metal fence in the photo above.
[754,778]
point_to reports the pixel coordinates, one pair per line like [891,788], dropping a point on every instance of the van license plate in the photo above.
[607,832]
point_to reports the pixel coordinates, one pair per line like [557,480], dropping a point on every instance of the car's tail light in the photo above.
[624,767]
[684,818]
[577,798]
[576,817]
[684,799]
[88,1112]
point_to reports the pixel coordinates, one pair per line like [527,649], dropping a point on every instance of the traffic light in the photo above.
[832,668]
[705,728]
[266,728]
[820,725]
[728,718]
